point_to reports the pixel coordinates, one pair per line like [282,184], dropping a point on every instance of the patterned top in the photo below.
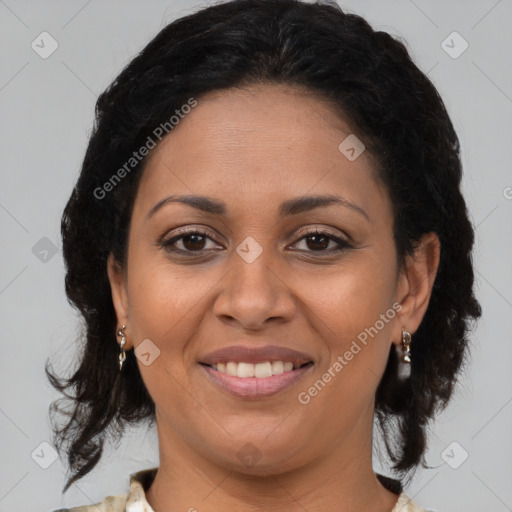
[135,500]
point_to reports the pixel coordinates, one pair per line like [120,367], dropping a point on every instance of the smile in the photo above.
[249,380]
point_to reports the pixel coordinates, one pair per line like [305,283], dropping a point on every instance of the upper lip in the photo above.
[245,354]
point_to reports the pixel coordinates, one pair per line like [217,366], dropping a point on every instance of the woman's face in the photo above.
[257,277]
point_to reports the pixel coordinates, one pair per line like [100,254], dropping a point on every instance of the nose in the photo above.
[254,294]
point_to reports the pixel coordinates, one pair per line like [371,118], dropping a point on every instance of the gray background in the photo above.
[46,112]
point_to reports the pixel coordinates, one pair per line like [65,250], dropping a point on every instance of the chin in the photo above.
[261,456]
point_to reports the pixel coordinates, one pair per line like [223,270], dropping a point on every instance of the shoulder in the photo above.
[139,483]
[406,504]
[109,504]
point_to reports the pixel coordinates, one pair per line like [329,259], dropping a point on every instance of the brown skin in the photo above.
[254,148]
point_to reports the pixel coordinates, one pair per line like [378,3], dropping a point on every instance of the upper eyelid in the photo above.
[188,231]
[324,230]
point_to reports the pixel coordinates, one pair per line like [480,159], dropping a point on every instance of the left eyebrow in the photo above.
[307,203]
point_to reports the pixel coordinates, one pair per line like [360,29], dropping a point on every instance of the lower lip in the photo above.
[255,387]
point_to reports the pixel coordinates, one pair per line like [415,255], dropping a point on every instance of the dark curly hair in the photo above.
[369,79]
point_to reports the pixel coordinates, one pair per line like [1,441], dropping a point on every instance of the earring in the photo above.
[404,370]
[122,353]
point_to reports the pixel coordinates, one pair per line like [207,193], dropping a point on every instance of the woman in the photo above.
[270,249]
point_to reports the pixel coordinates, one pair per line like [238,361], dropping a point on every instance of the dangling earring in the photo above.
[404,369]
[122,353]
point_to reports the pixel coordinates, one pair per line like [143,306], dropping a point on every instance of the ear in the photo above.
[118,287]
[415,285]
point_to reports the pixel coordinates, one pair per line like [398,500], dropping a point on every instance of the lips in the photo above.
[245,354]
[250,372]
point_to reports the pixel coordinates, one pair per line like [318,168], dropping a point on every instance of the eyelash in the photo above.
[343,244]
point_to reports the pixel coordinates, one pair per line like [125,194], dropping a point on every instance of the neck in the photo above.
[341,480]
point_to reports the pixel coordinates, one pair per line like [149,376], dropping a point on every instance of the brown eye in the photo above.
[192,241]
[319,240]
[195,242]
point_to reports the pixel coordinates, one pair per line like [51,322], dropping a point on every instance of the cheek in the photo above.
[352,310]
[351,299]
[160,307]
[162,311]
[160,295]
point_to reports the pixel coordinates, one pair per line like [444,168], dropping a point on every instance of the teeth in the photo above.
[246,370]
[262,370]
[232,369]
[277,367]
[259,370]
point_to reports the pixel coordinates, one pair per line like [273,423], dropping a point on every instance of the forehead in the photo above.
[259,144]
